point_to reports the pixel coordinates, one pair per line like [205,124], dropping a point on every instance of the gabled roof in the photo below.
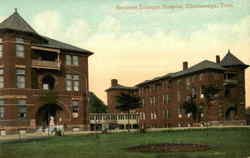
[121,87]
[204,65]
[231,60]
[154,79]
[60,45]
[17,23]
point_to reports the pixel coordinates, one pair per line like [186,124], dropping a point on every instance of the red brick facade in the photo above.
[35,66]
[163,96]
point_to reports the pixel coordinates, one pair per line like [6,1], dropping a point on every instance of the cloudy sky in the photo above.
[135,40]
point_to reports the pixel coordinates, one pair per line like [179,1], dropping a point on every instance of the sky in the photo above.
[136,40]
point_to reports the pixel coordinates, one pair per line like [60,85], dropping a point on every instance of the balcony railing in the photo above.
[230,82]
[42,64]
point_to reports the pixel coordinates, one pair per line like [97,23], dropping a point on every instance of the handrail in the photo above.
[45,64]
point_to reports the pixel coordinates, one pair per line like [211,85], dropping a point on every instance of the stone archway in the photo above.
[231,113]
[46,111]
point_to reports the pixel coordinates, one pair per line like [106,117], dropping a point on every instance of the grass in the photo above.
[226,143]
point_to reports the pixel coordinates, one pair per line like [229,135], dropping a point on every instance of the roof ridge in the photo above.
[204,64]
[16,22]
[25,22]
[58,44]
[231,60]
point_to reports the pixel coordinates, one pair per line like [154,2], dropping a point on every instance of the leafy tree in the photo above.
[127,102]
[96,105]
[210,92]
[191,107]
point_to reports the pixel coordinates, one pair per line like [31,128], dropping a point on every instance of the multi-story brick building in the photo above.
[163,96]
[40,77]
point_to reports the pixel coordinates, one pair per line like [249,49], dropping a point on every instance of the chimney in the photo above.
[217,59]
[185,65]
[114,82]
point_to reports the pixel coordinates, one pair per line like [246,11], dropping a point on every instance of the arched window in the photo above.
[48,82]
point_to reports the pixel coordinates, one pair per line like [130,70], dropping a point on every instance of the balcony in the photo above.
[230,82]
[45,58]
[43,64]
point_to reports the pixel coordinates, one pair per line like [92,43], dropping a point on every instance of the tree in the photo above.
[127,102]
[210,92]
[191,107]
[96,105]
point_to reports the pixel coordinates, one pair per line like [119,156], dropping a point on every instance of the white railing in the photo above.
[46,64]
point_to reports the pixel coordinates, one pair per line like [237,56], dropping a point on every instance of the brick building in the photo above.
[40,77]
[163,96]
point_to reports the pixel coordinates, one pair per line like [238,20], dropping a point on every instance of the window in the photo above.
[72,60]
[76,84]
[1,78]
[193,92]
[143,102]
[201,76]
[227,92]
[75,60]
[22,109]
[166,113]
[187,83]
[1,109]
[155,116]
[68,60]
[155,100]
[72,82]
[178,96]
[188,98]
[19,40]
[1,50]
[75,106]
[165,99]
[20,78]
[19,50]
[68,82]
[152,116]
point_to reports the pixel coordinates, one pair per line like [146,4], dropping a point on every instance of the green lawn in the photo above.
[226,143]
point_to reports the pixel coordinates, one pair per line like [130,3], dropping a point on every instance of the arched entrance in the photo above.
[47,111]
[48,82]
[231,113]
